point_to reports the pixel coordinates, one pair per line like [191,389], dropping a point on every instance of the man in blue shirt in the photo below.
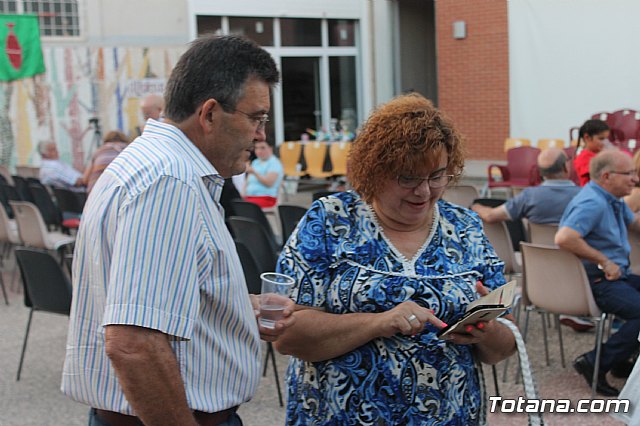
[594,227]
[539,204]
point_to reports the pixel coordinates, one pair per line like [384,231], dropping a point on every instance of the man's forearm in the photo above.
[149,375]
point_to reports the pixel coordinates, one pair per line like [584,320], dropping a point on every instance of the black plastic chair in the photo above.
[252,234]
[50,212]
[319,194]
[70,202]
[22,187]
[46,287]
[253,211]
[289,217]
[254,284]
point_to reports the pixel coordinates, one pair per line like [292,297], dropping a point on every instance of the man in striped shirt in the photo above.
[162,330]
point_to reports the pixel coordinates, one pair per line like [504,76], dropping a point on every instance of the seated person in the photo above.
[541,204]
[594,228]
[264,176]
[592,138]
[114,142]
[377,271]
[57,173]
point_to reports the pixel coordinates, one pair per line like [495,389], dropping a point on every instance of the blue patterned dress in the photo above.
[343,263]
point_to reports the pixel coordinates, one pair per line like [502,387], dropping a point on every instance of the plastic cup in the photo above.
[273,297]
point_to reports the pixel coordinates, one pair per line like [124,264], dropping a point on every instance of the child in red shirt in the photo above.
[593,135]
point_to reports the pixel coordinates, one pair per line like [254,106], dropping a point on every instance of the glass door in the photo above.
[301,98]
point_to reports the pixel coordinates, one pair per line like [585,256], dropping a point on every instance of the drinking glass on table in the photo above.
[273,297]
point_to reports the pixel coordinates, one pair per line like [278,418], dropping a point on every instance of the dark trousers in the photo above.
[621,298]
[94,420]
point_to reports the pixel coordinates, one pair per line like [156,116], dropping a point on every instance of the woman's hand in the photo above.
[494,341]
[272,334]
[407,318]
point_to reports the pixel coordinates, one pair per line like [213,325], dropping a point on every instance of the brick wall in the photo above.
[473,73]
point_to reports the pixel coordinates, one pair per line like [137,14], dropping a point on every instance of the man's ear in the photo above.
[206,114]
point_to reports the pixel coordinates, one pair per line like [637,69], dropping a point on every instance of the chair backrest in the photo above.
[522,161]
[634,256]
[7,229]
[5,201]
[252,234]
[46,287]
[462,195]
[315,154]
[339,153]
[517,231]
[4,172]
[289,154]
[31,226]
[289,215]
[542,233]
[253,211]
[50,212]
[70,201]
[555,280]
[511,143]
[499,238]
[250,268]
[22,188]
[550,143]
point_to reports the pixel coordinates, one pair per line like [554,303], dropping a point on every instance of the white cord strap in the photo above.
[530,388]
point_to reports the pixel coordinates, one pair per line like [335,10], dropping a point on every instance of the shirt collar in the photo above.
[557,182]
[606,194]
[202,166]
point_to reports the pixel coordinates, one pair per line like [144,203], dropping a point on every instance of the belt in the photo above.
[204,419]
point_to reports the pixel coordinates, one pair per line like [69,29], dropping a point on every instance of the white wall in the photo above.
[569,59]
[136,22]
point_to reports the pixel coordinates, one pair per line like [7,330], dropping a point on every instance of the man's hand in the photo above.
[611,270]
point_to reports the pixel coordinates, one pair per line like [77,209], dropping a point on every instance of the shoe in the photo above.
[622,370]
[578,324]
[585,368]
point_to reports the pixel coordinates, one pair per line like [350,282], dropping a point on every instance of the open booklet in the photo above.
[485,308]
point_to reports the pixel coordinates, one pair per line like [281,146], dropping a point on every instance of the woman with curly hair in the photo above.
[379,271]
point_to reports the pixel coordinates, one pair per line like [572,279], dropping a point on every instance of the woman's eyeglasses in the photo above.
[434,182]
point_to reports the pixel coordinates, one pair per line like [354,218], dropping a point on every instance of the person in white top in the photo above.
[57,173]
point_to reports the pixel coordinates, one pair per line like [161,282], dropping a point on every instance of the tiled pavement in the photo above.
[36,399]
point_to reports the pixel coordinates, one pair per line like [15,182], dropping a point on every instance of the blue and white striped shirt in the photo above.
[153,251]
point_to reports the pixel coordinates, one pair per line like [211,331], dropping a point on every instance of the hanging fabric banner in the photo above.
[20,50]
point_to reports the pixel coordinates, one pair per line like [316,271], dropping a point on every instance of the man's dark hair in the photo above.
[557,168]
[215,67]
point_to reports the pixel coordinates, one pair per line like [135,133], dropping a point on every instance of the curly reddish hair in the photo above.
[400,137]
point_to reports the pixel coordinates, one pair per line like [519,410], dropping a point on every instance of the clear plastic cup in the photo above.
[274,295]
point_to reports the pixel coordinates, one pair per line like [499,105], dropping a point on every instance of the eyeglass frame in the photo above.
[262,120]
[630,173]
[420,180]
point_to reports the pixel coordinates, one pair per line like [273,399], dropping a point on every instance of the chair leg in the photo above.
[544,334]
[275,372]
[24,344]
[557,318]
[596,367]
[4,290]
[495,379]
